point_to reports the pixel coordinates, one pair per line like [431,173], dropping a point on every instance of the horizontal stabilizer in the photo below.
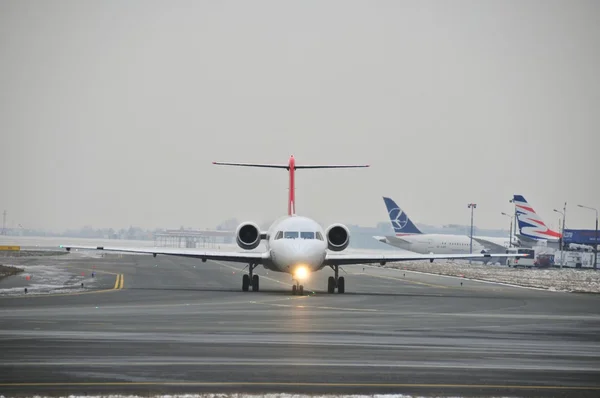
[271,166]
[287,166]
[324,166]
[291,167]
[390,239]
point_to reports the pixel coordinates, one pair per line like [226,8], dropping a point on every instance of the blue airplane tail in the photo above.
[400,222]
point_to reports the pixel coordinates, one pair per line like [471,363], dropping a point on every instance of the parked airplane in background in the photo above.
[295,245]
[409,237]
[532,229]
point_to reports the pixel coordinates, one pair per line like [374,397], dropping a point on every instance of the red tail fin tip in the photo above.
[291,200]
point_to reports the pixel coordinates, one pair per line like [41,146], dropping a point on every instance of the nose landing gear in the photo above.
[336,281]
[250,279]
[297,288]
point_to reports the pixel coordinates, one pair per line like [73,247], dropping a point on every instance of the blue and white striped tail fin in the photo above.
[400,221]
[530,223]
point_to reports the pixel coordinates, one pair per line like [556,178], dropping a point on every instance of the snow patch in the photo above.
[559,280]
[45,279]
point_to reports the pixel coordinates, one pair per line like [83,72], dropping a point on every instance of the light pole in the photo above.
[471,206]
[515,215]
[595,236]
[510,230]
[562,234]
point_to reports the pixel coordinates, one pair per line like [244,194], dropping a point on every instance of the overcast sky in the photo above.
[111,112]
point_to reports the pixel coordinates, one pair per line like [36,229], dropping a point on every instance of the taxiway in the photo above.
[167,324]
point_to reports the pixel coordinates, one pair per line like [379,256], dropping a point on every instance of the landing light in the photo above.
[301,272]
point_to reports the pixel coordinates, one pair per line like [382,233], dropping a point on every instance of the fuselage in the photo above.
[295,242]
[436,243]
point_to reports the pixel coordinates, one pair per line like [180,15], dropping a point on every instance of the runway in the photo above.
[173,325]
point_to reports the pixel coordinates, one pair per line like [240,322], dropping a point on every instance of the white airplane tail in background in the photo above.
[400,221]
[531,224]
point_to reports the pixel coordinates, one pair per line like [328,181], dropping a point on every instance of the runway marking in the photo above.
[93,270]
[353,273]
[301,384]
[241,270]
[182,304]
[40,322]
[13,364]
[349,309]
[324,308]
[57,294]
[118,286]
[404,280]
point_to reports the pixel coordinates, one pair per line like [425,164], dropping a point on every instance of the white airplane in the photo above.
[409,237]
[295,245]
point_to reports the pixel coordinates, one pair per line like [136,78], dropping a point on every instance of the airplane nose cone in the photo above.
[305,252]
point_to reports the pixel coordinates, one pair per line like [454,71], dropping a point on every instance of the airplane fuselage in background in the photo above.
[409,237]
[435,243]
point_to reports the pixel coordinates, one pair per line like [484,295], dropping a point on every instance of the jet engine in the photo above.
[248,236]
[338,237]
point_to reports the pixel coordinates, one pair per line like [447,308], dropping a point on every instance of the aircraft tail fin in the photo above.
[530,223]
[291,167]
[400,221]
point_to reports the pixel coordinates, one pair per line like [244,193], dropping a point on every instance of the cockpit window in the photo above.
[290,234]
[296,235]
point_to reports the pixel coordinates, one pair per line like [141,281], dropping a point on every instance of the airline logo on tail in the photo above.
[530,224]
[399,219]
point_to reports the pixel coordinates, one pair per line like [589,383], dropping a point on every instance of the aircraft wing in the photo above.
[530,242]
[490,244]
[236,257]
[386,239]
[347,259]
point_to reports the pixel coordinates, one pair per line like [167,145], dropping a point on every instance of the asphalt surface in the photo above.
[172,325]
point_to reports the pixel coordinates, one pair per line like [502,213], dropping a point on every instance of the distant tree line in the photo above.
[137,233]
